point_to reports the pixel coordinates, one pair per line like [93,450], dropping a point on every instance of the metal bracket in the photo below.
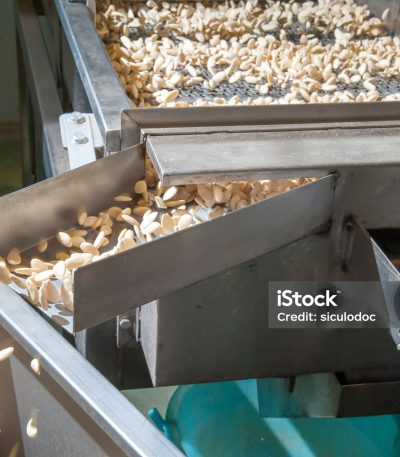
[390,279]
[81,137]
[127,332]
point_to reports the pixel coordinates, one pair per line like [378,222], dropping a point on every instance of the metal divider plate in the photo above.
[218,157]
[132,278]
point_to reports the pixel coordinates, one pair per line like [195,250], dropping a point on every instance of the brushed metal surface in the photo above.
[135,277]
[219,157]
[70,388]
[39,211]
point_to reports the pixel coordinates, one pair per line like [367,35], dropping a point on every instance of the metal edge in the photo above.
[106,95]
[262,115]
[184,159]
[123,423]
[42,86]
[44,208]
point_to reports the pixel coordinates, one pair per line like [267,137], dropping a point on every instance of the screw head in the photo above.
[77,118]
[125,324]
[79,138]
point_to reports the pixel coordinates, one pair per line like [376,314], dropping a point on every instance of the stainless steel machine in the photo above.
[191,307]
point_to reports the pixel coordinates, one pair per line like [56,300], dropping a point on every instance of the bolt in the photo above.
[79,138]
[125,323]
[77,118]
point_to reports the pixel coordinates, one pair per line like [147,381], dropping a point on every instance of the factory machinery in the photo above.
[193,306]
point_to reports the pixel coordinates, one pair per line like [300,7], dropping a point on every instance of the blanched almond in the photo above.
[130,220]
[140,210]
[42,246]
[64,239]
[170,193]
[14,257]
[185,222]
[51,291]
[89,247]
[42,276]
[32,428]
[59,269]
[123,198]
[6,353]
[151,228]
[141,187]
[5,275]
[19,282]
[167,223]
[99,240]
[81,215]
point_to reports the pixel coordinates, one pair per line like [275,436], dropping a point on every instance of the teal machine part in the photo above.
[223,420]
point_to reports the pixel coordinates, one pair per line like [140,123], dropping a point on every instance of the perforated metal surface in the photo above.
[386,86]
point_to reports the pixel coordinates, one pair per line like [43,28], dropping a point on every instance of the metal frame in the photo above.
[38,94]
[109,102]
[105,94]
[179,354]
[100,419]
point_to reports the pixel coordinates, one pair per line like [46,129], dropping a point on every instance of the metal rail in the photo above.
[70,388]
[182,159]
[106,96]
[41,89]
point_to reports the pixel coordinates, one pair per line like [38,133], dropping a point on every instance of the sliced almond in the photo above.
[114,211]
[43,298]
[73,263]
[66,297]
[32,291]
[81,215]
[170,193]
[151,228]
[90,221]
[99,240]
[106,229]
[123,198]
[51,291]
[174,203]
[148,219]
[125,244]
[160,202]
[59,269]
[64,239]
[19,282]
[62,255]
[5,275]
[42,246]
[77,241]
[130,220]
[139,234]
[32,428]
[38,265]
[141,187]
[25,271]
[89,247]
[42,276]
[14,257]
[35,365]
[140,210]
[185,222]
[6,353]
